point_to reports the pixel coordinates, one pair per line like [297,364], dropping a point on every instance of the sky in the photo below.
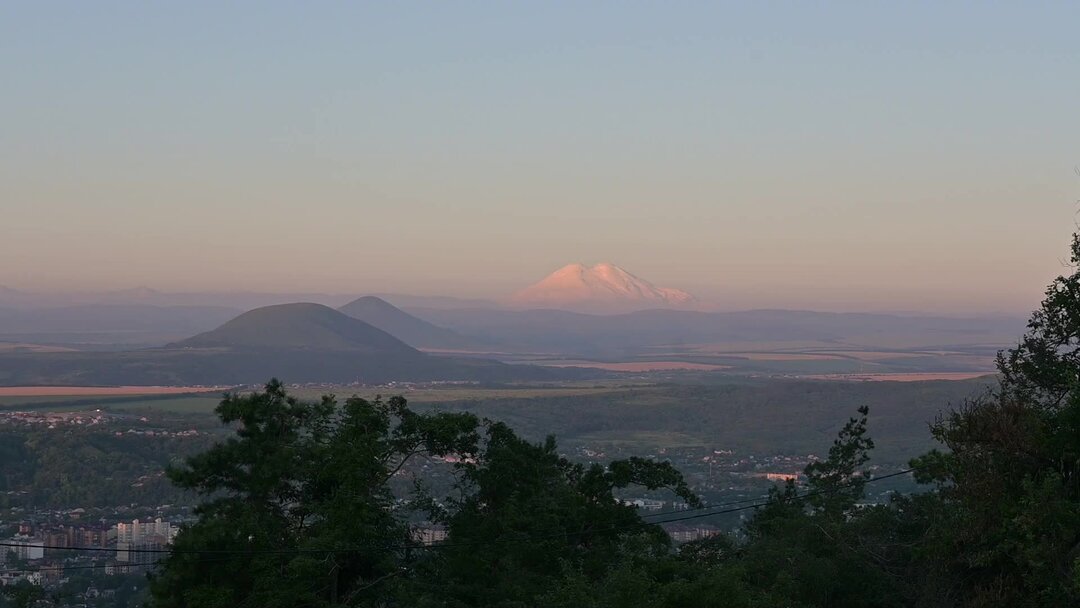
[843,156]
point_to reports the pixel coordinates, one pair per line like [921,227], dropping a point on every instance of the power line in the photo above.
[642,524]
[168,551]
[763,497]
[108,565]
[755,503]
[93,566]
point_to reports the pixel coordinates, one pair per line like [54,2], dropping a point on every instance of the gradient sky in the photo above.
[870,155]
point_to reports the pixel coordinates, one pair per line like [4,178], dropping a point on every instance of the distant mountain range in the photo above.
[602,288]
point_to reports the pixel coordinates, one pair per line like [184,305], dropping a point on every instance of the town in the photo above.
[100,553]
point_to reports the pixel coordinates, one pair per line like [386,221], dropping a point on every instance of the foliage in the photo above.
[813,547]
[298,509]
[1008,530]
[1044,368]
[77,467]
[802,549]
[20,595]
[298,500]
[836,482]
[527,514]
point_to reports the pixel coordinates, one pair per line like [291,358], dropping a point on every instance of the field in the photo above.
[468,393]
[24,347]
[790,359]
[184,400]
[635,366]
[748,415]
[164,402]
[638,441]
[703,409]
[903,377]
[88,391]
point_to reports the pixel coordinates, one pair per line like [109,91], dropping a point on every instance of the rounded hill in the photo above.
[298,326]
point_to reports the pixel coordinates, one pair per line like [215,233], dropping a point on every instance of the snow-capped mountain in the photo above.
[601,287]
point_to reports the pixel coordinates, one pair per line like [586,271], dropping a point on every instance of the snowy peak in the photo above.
[603,286]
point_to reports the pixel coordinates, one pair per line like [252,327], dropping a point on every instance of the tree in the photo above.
[22,594]
[804,548]
[1044,368]
[809,546]
[836,483]
[297,509]
[527,516]
[1007,531]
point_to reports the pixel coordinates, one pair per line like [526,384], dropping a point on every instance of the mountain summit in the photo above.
[601,287]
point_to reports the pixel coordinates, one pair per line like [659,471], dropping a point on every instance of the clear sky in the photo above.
[864,155]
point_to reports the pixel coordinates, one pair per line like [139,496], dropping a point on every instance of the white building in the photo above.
[136,532]
[430,535]
[25,548]
[13,578]
[649,504]
[683,534]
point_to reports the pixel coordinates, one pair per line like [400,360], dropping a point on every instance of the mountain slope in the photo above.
[409,329]
[299,326]
[600,287]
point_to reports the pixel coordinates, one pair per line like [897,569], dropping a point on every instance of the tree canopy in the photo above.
[299,511]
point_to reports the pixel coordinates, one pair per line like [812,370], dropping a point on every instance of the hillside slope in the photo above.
[412,330]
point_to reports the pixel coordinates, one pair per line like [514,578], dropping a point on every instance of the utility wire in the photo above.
[92,566]
[643,524]
[111,564]
[758,498]
[755,503]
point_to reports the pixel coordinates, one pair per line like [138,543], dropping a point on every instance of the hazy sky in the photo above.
[856,156]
